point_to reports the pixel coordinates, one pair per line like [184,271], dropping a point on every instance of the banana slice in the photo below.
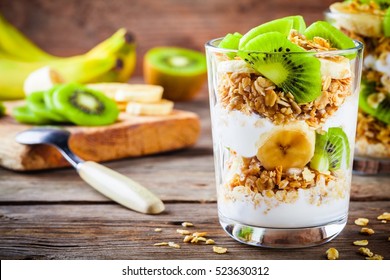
[41,79]
[163,107]
[122,92]
[234,66]
[360,23]
[336,68]
[289,146]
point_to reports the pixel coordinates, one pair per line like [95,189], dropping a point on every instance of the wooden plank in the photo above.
[172,176]
[183,23]
[112,232]
[130,136]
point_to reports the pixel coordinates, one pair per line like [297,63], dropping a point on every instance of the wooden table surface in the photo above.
[55,215]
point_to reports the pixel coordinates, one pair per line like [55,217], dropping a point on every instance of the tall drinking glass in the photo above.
[283,168]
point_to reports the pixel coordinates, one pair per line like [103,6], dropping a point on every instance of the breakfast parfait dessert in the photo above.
[283,101]
[369,22]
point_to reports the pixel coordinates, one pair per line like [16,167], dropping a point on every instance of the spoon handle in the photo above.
[120,188]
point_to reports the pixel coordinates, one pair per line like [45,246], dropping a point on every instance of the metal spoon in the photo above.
[108,182]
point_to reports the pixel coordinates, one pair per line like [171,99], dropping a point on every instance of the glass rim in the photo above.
[358,46]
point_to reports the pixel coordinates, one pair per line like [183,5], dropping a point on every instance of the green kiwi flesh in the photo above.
[386,23]
[282,25]
[85,106]
[336,38]
[36,104]
[230,41]
[177,61]
[366,89]
[332,150]
[285,64]
[23,115]
[382,111]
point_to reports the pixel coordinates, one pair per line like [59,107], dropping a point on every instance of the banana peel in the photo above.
[113,60]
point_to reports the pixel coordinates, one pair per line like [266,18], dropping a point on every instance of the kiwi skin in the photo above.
[177,87]
[183,88]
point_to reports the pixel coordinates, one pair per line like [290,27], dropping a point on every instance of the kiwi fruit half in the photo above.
[282,25]
[285,64]
[181,72]
[36,104]
[84,106]
[337,39]
[230,41]
[332,150]
[24,115]
[382,112]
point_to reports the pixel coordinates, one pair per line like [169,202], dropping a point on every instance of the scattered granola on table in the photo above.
[332,254]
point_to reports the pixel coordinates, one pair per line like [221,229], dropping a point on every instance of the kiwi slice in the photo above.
[386,23]
[332,150]
[286,64]
[282,25]
[382,112]
[24,115]
[84,106]
[36,104]
[366,89]
[336,38]
[181,72]
[230,41]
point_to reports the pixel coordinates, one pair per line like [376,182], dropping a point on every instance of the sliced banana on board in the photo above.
[41,79]
[161,108]
[122,92]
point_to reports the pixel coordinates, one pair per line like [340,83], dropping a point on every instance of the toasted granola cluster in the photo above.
[370,131]
[254,176]
[249,93]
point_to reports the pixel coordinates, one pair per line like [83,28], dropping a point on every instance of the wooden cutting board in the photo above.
[130,136]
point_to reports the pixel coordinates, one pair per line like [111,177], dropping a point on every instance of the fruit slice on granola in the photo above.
[230,41]
[374,103]
[287,65]
[386,23]
[289,146]
[332,150]
[283,25]
[336,38]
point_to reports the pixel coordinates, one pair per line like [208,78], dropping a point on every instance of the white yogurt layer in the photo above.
[238,131]
[241,132]
[301,213]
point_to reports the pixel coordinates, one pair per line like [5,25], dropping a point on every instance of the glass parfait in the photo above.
[370,24]
[283,166]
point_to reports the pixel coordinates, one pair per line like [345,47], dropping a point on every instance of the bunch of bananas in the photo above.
[113,60]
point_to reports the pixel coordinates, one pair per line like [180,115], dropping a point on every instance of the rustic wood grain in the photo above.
[112,232]
[73,27]
[130,136]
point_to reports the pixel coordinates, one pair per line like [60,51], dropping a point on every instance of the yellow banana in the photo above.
[15,46]
[77,69]
[18,46]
